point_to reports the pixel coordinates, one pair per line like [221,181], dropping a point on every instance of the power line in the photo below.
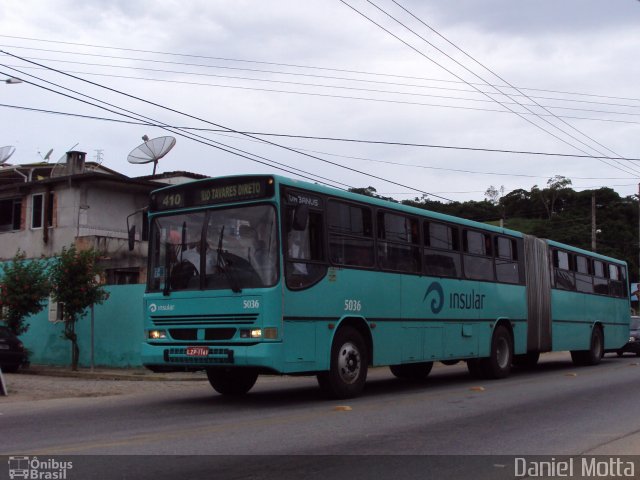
[342,97]
[505,81]
[337,87]
[197,138]
[289,65]
[350,140]
[276,72]
[479,77]
[221,126]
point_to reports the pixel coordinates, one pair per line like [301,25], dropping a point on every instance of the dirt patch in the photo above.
[22,387]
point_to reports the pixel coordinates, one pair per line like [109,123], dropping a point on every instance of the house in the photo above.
[45,207]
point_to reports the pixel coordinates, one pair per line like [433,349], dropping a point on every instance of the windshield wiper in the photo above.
[223,265]
[167,270]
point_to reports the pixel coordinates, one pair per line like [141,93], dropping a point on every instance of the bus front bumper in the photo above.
[167,358]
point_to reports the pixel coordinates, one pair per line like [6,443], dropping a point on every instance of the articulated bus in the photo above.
[262,274]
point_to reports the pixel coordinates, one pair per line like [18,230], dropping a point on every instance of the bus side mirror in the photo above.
[132,238]
[300,217]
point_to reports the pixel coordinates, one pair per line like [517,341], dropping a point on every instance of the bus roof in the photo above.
[356,197]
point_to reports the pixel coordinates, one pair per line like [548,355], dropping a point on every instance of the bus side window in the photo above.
[441,253]
[600,282]
[398,240]
[584,280]
[350,234]
[478,256]
[507,266]
[565,277]
[615,281]
[305,263]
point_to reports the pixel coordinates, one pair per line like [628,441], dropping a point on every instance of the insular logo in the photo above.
[437,302]
[163,308]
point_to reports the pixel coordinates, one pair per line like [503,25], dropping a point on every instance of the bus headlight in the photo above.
[270,333]
[157,334]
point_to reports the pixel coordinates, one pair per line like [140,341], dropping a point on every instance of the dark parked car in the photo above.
[633,345]
[12,352]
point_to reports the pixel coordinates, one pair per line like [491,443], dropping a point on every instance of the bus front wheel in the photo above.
[227,381]
[595,352]
[349,362]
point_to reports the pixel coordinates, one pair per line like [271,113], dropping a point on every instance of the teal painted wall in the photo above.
[118,333]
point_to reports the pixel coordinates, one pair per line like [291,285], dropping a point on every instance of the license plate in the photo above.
[197,351]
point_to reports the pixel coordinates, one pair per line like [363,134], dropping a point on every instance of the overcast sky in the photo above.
[319,68]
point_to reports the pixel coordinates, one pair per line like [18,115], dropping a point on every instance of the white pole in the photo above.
[3,387]
[92,337]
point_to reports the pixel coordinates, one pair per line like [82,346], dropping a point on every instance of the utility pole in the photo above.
[593,221]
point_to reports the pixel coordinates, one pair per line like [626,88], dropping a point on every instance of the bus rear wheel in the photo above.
[349,362]
[498,365]
[412,371]
[595,352]
[227,381]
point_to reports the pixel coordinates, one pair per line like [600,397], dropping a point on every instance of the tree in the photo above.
[23,287]
[556,186]
[493,195]
[75,278]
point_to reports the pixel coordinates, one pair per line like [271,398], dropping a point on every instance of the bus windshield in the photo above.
[239,244]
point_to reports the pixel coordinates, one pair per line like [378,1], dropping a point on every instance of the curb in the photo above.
[135,375]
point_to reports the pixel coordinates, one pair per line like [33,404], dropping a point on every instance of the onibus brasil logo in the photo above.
[38,469]
[457,300]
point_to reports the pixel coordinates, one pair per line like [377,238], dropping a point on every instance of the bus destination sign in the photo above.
[227,190]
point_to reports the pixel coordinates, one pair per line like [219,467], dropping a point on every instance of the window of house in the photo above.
[478,256]
[350,234]
[10,211]
[398,240]
[441,253]
[122,276]
[38,214]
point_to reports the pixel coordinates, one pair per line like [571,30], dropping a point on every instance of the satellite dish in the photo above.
[48,155]
[60,168]
[5,153]
[151,150]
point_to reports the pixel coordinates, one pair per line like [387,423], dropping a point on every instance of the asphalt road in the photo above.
[284,425]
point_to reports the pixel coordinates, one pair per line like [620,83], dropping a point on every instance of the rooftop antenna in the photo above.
[5,153]
[151,150]
[47,157]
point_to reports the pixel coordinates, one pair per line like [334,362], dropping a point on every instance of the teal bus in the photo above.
[262,274]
